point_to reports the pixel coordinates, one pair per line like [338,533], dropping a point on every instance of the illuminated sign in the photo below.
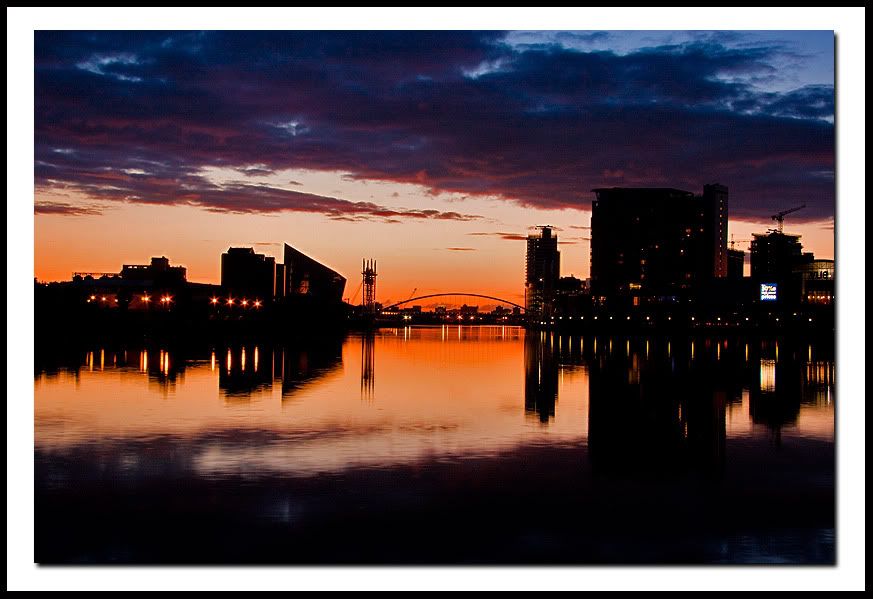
[768,292]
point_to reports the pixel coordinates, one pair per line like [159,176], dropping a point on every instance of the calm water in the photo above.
[541,447]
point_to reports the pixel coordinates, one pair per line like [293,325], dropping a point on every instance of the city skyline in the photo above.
[435,162]
[203,399]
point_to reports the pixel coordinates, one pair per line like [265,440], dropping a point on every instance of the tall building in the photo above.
[245,273]
[715,202]
[657,241]
[542,271]
[305,276]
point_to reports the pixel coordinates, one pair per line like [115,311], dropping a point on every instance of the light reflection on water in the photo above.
[402,395]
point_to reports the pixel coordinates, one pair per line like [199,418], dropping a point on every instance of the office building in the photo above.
[542,271]
[657,242]
[307,277]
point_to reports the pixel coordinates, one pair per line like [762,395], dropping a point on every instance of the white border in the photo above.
[849,23]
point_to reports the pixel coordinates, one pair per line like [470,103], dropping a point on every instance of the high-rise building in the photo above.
[715,203]
[307,277]
[542,270]
[247,274]
[657,241]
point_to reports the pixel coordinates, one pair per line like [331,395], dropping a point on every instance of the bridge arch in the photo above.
[421,297]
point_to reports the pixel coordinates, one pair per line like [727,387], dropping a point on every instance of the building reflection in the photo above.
[540,376]
[652,410]
[249,369]
[245,370]
[368,364]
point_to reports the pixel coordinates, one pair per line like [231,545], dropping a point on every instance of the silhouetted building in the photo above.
[736,262]
[776,255]
[657,241]
[158,273]
[280,280]
[245,273]
[305,276]
[542,270]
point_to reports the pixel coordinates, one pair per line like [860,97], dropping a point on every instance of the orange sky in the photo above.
[412,254]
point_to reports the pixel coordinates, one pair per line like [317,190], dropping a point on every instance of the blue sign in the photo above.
[768,292]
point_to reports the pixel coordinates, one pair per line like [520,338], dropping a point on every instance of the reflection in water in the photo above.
[639,404]
[609,436]
[368,362]
[540,376]
[253,369]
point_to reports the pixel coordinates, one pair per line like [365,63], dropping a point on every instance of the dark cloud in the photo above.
[506,236]
[458,112]
[462,249]
[65,209]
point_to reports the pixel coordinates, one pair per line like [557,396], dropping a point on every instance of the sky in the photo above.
[432,152]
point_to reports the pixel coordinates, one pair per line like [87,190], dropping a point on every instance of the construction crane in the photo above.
[733,241]
[780,216]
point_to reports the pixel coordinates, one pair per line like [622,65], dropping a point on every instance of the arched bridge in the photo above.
[421,297]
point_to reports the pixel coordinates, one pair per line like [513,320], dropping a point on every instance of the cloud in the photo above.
[460,249]
[506,236]
[537,124]
[61,208]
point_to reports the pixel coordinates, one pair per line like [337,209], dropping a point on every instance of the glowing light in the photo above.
[146,298]
[768,375]
[257,303]
[214,300]
[245,302]
[230,301]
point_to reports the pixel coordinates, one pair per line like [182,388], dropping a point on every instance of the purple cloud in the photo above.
[462,112]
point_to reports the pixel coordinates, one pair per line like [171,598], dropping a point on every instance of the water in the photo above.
[438,445]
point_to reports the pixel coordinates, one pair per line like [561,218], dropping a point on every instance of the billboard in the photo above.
[768,292]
